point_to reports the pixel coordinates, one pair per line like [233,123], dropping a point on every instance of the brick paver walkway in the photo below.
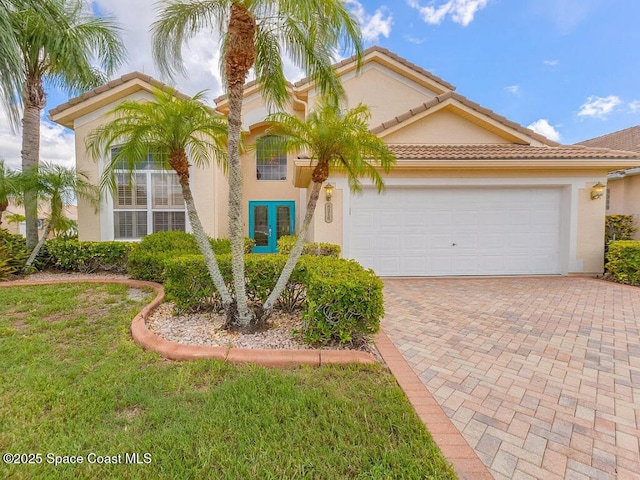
[541,375]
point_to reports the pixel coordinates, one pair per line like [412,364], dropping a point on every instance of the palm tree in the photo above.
[10,57]
[58,186]
[336,141]
[8,187]
[58,42]
[255,34]
[175,129]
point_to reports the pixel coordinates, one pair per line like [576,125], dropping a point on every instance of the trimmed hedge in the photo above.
[88,257]
[623,261]
[149,257]
[189,285]
[339,298]
[286,243]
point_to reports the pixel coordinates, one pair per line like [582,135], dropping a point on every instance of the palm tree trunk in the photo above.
[38,247]
[204,245]
[34,102]
[294,255]
[3,208]
[239,58]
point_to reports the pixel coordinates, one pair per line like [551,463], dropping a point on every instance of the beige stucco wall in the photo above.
[443,127]
[385,92]
[328,232]
[590,242]
[89,227]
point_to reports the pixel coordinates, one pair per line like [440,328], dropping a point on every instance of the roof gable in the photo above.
[111,92]
[390,60]
[470,111]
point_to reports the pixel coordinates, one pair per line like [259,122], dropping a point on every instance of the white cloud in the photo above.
[599,106]
[371,26]
[634,106]
[514,89]
[460,11]
[544,128]
[56,144]
[414,40]
[551,63]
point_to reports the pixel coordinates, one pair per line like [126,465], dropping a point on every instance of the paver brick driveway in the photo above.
[541,375]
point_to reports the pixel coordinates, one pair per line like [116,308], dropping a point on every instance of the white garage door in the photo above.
[457,231]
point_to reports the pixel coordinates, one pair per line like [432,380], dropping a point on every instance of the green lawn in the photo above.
[73,383]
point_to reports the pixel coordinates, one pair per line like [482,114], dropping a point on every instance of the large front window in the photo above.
[150,201]
[271,159]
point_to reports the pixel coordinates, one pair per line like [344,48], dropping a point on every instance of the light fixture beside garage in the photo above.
[328,190]
[597,191]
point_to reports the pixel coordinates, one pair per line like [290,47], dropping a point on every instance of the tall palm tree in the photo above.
[255,34]
[8,187]
[58,42]
[175,130]
[58,186]
[336,141]
[10,57]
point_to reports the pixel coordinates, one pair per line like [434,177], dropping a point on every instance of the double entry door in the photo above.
[268,221]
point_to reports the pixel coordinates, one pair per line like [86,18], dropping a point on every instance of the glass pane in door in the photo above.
[261,225]
[283,221]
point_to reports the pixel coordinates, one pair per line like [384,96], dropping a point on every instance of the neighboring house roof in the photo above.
[627,139]
[107,93]
[440,99]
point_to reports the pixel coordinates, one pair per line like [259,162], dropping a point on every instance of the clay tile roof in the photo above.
[468,103]
[627,139]
[110,85]
[395,57]
[502,151]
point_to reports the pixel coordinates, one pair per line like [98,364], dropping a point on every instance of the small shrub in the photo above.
[619,227]
[13,254]
[287,242]
[623,261]
[87,257]
[344,301]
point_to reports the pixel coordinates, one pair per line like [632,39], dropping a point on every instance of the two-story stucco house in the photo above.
[472,192]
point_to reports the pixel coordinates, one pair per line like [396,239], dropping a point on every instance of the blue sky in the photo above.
[570,69]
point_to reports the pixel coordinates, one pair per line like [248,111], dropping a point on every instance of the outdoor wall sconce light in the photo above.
[597,191]
[328,190]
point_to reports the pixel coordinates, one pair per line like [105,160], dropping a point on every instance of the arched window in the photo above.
[271,159]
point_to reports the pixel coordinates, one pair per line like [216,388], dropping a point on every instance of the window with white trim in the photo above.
[148,202]
[271,159]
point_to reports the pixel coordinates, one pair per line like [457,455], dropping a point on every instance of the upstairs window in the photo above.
[271,159]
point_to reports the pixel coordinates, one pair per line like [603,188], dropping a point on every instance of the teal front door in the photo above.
[268,221]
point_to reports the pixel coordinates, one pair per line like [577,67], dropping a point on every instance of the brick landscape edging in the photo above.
[178,351]
[454,447]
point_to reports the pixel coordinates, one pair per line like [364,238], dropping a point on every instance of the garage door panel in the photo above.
[413,242]
[412,231]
